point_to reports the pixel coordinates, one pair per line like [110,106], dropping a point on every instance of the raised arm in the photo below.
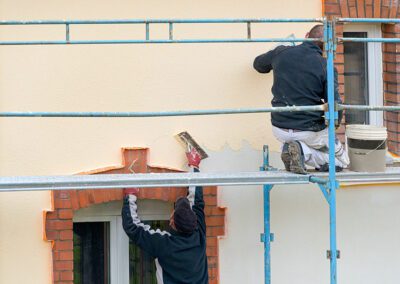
[263,62]
[142,235]
[195,196]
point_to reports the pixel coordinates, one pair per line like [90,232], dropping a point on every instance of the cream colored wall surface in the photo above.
[122,78]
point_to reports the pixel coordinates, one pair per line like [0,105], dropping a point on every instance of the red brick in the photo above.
[62,194]
[384,12]
[392,116]
[339,58]
[62,265]
[56,276]
[62,203]
[360,9]
[393,136]
[215,231]
[66,235]
[212,241]
[377,8]
[65,213]
[213,272]
[83,199]
[64,245]
[393,126]
[353,12]
[66,275]
[340,68]
[393,10]
[212,261]
[392,97]
[212,251]
[51,215]
[339,48]
[394,147]
[394,88]
[59,225]
[389,57]
[210,190]
[389,47]
[215,221]
[212,210]
[341,89]
[66,255]
[74,199]
[210,200]
[332,9]
[390,77]
[369,11]
[52,235]
[341,79]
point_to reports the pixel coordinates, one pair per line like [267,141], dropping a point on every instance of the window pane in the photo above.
[91,253]
[142,269]
[356,77]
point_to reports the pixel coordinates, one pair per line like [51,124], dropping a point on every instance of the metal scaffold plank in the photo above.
[34,183]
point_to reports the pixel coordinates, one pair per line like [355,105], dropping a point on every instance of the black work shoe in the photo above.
[325,168]
[296,158]
[285,156]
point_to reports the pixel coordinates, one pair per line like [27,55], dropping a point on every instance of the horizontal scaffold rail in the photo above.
[368,20]
[147,23]
[195,112]
[164,113]
[79,182]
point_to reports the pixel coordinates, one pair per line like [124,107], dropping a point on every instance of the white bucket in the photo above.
[367,147]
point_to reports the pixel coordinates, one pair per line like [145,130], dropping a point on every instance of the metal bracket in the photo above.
[328,254]
[271,237]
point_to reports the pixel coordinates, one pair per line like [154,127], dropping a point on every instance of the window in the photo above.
[99,240]
[363,74]
[91,253]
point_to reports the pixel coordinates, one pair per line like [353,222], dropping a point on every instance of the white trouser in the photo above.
[315,146]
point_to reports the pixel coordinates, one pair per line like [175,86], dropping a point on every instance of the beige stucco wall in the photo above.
[123,78]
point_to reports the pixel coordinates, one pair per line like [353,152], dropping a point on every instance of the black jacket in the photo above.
[299,79]
[179,258]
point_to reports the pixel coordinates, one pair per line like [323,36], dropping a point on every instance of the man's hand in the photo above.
[133,190]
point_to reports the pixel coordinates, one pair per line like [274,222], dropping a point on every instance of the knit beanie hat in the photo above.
[184,218]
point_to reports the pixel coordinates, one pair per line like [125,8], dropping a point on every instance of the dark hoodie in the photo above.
[180,258]
[299,80]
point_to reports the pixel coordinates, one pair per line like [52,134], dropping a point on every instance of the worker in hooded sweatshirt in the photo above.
[300,79]
[180,253]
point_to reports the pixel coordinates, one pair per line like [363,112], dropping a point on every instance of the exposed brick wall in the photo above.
[391,54]
[58,223]
[391,67]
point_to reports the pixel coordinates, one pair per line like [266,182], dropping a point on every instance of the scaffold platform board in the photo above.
[274,177]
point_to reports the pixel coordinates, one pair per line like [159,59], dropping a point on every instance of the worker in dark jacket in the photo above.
[180,253]
[300,79]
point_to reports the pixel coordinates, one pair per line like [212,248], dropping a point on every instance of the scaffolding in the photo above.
[268,176]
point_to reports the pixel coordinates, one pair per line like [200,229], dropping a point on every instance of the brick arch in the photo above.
[391,53]
[58,223]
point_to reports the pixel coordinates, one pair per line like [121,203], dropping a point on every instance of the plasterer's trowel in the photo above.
[188,142]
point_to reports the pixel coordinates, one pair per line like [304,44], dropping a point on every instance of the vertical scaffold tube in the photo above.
[267,234]
[266,237]
[329,36]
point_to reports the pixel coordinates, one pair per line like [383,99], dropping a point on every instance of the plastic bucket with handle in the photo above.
[367,147]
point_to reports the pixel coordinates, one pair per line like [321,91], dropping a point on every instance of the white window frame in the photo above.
[119,241]
[375,81]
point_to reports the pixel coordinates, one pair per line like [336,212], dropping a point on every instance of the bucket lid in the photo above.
[366,132]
